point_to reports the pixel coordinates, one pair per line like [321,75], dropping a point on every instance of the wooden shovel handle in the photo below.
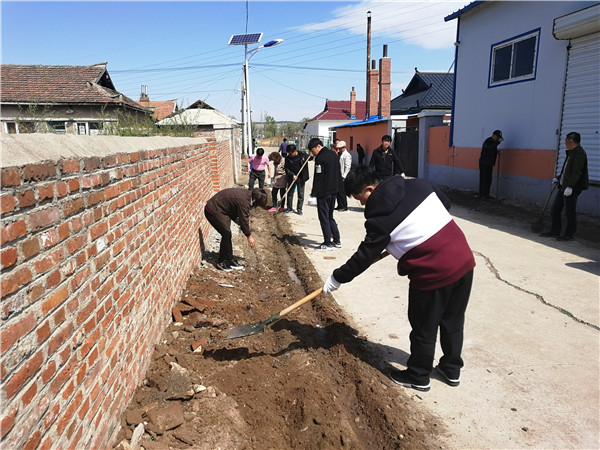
[313,294]
[301,302]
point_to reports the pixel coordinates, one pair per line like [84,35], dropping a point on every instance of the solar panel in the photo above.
[242,39]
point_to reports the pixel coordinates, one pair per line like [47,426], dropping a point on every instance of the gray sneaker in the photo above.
[449,381]
[235,265]
[325,246]
[337,244]
[224,266]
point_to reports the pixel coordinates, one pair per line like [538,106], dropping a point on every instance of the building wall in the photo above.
[368,136]
[99,236]
[528,113]
[524,174]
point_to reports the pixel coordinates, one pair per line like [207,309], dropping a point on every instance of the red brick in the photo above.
[47,373]
[101,260]
[68,389]
[30,247]
[53,279]
[21,377]
[8,421]
[51,260]
[55,299]
[61,377]
[10,177]
[91,164]
[43,332]
[46,192]
[75,244]
[69,166]
[95,197]
[12,231]
[11,282]
[62,189]
[36,292]
[73,207]
[33,441]
[177,315]
[43,218]
[8,257]
[48,444]
[68,414]
[26,198]
[199,343]
[29,394]
[7,203]
[11,334]
[39,171]
[51,416]
[74,185]
[49,238]
[63,231]
[98,230]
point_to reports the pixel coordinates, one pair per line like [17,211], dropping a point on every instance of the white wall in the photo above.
[528,113]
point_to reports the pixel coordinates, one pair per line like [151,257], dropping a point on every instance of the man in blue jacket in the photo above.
[325,188]
[410,220]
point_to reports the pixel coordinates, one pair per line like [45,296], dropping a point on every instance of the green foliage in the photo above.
[270,127]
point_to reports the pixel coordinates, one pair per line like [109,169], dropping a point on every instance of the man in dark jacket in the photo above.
[325,188]
[296,171]
[225,206]
[410,219]
[572,180]
[487,160]
[385,161]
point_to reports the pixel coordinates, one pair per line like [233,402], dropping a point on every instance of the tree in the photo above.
[270,127]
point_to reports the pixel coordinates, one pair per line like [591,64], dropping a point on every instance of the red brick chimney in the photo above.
[385,81]
[353,104]
[373,88]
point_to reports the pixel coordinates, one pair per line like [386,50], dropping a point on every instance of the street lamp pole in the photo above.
[245,39]
[248,55]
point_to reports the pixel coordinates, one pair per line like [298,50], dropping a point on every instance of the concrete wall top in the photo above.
[20,149]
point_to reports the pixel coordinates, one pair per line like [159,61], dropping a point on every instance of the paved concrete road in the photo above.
[532,345]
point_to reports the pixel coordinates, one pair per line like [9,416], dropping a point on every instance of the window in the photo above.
[514,60]
[57,127]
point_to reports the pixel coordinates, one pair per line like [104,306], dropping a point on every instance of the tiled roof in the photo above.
[161,109]
[59,84]
[426,90]
[340,110]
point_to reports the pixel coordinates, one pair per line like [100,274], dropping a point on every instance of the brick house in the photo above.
[159,109]
[61,99]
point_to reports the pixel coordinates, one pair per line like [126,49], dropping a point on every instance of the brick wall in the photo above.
[94,252]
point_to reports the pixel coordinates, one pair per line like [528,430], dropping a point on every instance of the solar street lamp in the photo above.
[245,40]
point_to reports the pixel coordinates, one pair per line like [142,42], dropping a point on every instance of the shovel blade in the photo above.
[246,330]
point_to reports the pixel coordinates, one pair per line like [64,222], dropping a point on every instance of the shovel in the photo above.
[259,327]
[291,186]
[538,225]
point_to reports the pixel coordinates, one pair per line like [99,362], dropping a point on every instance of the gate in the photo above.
[406,145]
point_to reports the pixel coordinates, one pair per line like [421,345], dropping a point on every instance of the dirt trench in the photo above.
[309,381]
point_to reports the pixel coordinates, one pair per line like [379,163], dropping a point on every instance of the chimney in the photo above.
[385,81]
[373,88]
[144,95]
[353,104]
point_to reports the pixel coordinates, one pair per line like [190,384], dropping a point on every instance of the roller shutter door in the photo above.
[581,105]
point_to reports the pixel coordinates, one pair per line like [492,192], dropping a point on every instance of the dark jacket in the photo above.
[292,167]
[327,174]
[231,204]
[386,164]
[410,219]
[489,151]
[576,171]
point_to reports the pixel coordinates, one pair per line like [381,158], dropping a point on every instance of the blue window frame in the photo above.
[514,60]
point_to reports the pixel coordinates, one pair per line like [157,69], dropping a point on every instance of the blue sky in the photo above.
[179,49]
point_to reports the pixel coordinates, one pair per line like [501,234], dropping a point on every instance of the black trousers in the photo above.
[342,200]
[325,206]
[442,308]
[278,192]
[570,205]
[299,186]
[256,175]
[485,179]
[224,229]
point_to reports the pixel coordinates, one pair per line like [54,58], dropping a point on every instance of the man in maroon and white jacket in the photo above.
[410,219]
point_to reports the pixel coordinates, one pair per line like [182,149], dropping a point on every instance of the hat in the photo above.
[341,144]
[498,133]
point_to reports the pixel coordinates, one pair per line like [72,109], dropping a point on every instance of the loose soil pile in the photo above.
[309,381]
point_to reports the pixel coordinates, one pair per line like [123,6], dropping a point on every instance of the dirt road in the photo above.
[309,381]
